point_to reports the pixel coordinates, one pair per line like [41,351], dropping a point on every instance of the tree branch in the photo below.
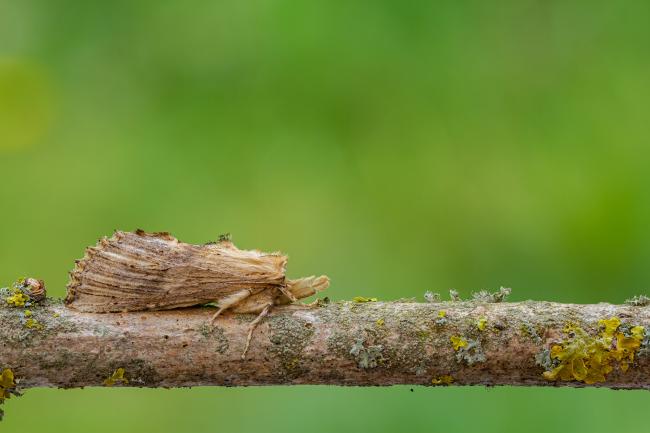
[344,343]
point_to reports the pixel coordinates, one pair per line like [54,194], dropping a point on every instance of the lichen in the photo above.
[638,301]
[431,297]
[289,337]
[215,333]
[17,299]
[498,296]
[367,357]
[481,323]
[24,292]
[32,323]
[471,353]
[528,330]
[139,372]
[116,377]
[441,319]
[458,342]
[8,387]
[543,359]
[442,380]
[589,359]
[644,350]
[224,237]
[455,297]
[362,299]
[380,322]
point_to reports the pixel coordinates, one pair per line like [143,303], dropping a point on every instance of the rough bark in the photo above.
[343,343]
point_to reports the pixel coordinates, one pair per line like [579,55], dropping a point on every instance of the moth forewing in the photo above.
[154,271]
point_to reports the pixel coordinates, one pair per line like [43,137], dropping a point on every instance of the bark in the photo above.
[343,343]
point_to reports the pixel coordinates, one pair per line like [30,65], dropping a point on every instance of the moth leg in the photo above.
[286,291]
[252,327]
[231,300]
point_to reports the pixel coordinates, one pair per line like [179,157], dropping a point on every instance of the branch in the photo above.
[344,343]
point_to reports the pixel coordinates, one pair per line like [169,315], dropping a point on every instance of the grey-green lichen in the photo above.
[24,313]
[441,320]
[544,360]
[471,352]
[486,296]
[528,330]
[480,296]
[25,325]
[216,334]
[367,356]
[289,337]
[431,297]
[638,301]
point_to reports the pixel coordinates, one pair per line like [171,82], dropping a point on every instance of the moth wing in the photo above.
[133,271]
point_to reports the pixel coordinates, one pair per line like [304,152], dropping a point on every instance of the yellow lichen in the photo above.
[7,384]
[361,299]
[116,377]
[458,342]
[590,359]
[380,322]
[610,325]
[442,380]
[481,323]
[32,323]
[442,314]
[638,332]
[17,299]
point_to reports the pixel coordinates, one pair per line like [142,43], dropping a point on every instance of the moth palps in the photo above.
[135,271]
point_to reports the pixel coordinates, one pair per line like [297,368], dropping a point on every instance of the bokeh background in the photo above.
[398,146]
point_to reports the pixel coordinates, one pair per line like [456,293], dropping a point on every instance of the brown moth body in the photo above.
[154,271]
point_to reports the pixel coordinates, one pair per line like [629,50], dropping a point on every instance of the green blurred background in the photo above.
[396,146]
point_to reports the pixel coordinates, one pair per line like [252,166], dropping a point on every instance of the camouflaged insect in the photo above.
[135,271]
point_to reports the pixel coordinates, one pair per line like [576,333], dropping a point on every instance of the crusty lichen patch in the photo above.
[457,342]
[529,330]
[471,353]
[363,299]
[289,335]
[8,387]
[216,334]
[369,356]
[445,379]
[24,292]
[116,378]
[586,358]
[441,320]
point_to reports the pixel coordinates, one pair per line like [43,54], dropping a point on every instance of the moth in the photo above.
[136,271]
